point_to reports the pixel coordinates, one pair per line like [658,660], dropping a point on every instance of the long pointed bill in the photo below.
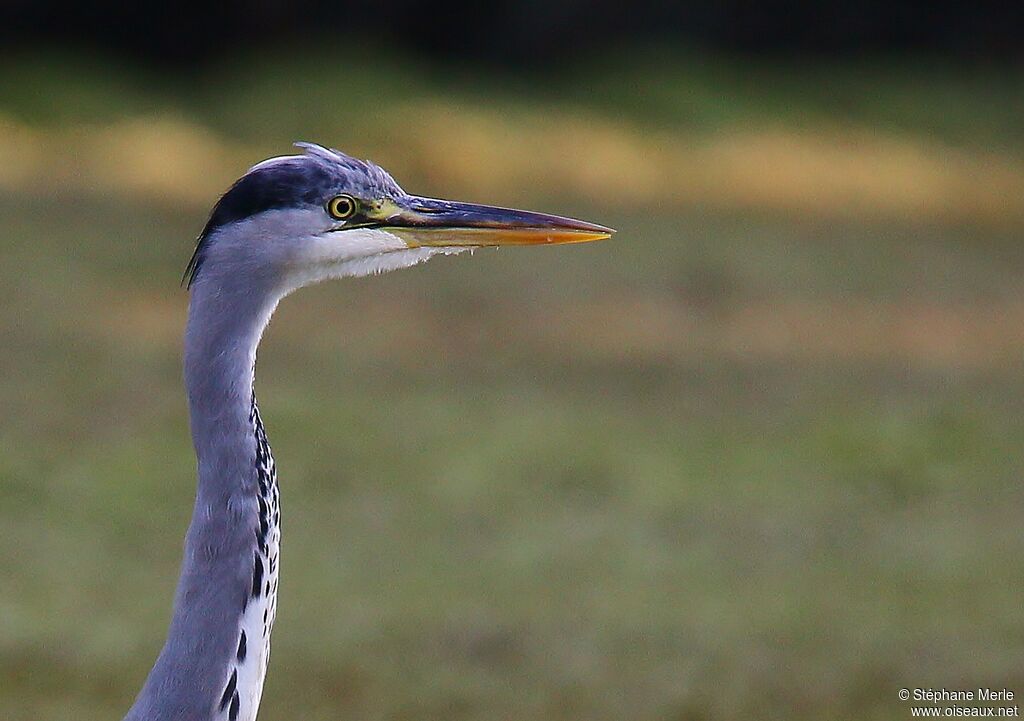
[444,223]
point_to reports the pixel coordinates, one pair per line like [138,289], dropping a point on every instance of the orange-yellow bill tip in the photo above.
[483,237]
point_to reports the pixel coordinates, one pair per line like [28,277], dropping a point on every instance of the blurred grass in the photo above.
[736,462]
[275,92]
[651,130]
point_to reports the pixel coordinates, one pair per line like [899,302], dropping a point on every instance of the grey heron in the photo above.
[288,222]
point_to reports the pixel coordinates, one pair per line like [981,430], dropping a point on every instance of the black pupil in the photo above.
[343,206]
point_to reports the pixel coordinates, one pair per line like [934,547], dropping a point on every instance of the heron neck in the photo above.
[203,672]
[224,330]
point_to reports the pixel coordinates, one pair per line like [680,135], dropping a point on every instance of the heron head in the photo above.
[298,219]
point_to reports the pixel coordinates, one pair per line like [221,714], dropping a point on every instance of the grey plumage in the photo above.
[226,318]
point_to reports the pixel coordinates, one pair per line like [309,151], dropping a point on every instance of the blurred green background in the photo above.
[757,456]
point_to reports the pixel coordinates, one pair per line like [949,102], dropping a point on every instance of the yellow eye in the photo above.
[341,206]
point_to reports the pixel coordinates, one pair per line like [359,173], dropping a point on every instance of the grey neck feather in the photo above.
[227,315]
